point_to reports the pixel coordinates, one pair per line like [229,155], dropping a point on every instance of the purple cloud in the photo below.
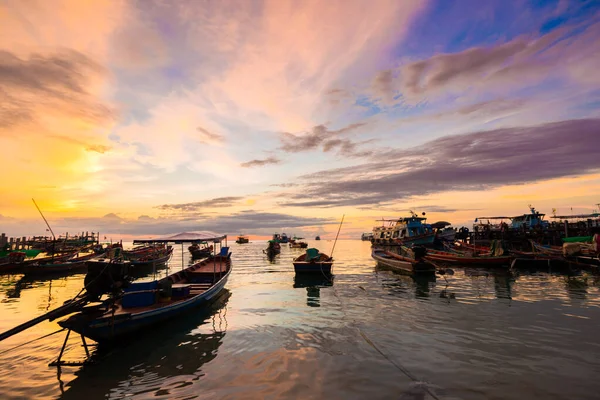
[478,160]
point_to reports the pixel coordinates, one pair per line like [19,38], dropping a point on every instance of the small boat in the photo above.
[74,264]
[273,249]
[313,261]
[548,250]
[297,243]
[317,237]
[401,263]
[158,258]
[201,250]
[16,262]
[284,238]
[464,259]
[242,239]
[144,304]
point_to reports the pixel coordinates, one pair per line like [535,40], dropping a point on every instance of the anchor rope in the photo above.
[31,341]
[370,342]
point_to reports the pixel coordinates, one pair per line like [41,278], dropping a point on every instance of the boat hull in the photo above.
[54,268]
[502,261]
[313,267]
[402,264]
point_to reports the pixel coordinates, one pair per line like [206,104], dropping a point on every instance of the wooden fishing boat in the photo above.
[154,259]
[313,261]
[74,264]
[273,249]
[144,304]
[12,266]
[200,250]
[298,245]
[461,259]
[402,264]
[549,250]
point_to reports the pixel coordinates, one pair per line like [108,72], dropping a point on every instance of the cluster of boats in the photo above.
[79,259]
[112,305]
[310,261]
[411,245]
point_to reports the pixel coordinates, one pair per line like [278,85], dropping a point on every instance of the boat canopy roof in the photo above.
[186,237]
[594,215]
[440,224]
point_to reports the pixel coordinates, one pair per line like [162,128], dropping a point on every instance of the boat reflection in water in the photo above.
[146,364]
[401,283]
[313,284]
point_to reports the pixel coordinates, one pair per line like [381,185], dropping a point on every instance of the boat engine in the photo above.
[106,277]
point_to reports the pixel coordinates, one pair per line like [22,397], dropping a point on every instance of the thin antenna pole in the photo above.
[336,236]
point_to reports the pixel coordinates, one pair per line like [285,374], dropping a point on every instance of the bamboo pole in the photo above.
[336,236]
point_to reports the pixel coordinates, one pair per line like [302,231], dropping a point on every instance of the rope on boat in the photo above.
[31,341]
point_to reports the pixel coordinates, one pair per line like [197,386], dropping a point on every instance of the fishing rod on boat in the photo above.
[336,236]
[49,227]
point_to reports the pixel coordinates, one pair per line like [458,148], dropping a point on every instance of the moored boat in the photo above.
[272,249]
[404,231]
[78,263]
[200,250]
[15,262]
[313,261]
[297,243]
[317,237]
[465,259]
[141,305]
[403,264]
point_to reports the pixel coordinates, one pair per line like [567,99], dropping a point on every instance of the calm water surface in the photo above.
[369,334]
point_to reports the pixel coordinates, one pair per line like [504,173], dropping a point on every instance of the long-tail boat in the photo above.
[200,250]
[403,264]
[272,249]
[16,263]
[133,307]
[141,305]
[464,259]
[78,263]
[313,261]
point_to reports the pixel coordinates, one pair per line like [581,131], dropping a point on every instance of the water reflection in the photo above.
[401,284]
[313,284]
[577,287]
[148,364]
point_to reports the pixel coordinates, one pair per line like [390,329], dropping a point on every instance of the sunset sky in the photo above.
[155,117]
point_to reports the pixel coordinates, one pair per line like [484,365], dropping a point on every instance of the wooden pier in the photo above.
[47,243]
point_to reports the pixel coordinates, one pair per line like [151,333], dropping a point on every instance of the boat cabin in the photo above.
[401,229]
[526,221]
